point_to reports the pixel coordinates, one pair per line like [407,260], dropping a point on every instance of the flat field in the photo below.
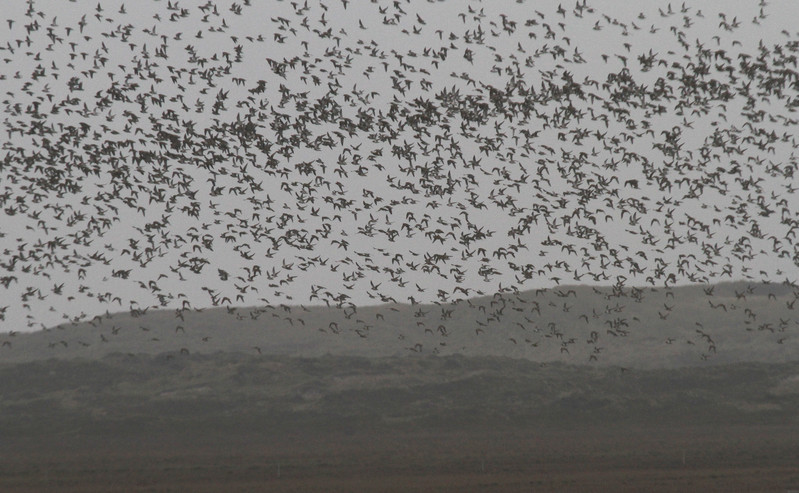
[245,423]
[619,458]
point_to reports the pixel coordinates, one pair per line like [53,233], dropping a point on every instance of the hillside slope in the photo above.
[645,328]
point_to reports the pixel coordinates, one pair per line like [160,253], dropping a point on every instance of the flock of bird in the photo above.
[230,154]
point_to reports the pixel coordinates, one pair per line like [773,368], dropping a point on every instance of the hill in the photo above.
[334,400]
[635,327]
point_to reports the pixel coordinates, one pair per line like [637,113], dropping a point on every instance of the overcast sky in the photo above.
[385,53]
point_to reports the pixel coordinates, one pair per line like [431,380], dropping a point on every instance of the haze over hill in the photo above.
[681,326]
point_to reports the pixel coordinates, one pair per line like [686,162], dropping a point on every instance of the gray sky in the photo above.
[371,49]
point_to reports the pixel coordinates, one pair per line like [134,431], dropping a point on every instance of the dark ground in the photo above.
[248,423]
[619,458]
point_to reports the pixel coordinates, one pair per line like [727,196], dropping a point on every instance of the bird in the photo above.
[496,155]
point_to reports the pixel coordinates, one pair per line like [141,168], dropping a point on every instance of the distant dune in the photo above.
[638,327]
